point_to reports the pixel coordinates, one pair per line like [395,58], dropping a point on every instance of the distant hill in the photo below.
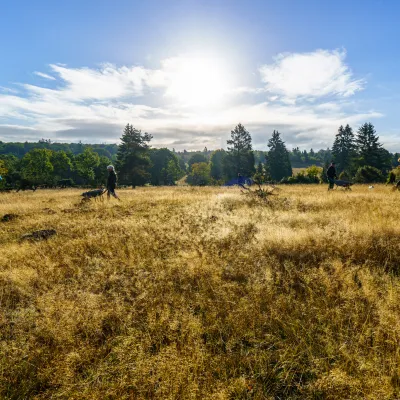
[19,149]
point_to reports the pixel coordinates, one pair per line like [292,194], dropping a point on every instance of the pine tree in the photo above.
[343,149]
[305,157]
[133,161]
[278,158]
[369,150]
[296,156]
[240,157]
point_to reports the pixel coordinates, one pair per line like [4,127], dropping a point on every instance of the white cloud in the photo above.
[107,82]
[8,90]
[45,76]
[93,104]
[250,90]
[310,75]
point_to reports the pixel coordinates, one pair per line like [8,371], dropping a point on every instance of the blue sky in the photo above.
[188,71]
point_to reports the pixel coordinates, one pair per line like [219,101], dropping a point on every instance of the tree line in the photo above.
[137,167]
[359,157]
[136,163]
[19,149]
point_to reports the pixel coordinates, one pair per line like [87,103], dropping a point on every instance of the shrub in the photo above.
[301,177]
[394,175]
[368,174]
[314,172]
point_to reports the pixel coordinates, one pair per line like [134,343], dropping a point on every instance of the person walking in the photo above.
[111,182]
[331,175]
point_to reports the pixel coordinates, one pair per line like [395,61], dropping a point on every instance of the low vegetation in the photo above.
[201,293]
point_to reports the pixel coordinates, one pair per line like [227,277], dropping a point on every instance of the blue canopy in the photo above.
[240,180]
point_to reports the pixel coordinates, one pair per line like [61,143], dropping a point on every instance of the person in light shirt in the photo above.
[111,182]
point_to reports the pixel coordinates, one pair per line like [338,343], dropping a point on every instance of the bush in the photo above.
[368,174]
[314,172]
[394,176]
[301,177]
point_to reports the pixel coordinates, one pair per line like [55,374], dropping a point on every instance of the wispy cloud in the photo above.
[45,76]
[310,75]
[8,90]
[93,104]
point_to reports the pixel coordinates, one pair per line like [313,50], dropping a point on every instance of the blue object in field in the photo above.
[240,180]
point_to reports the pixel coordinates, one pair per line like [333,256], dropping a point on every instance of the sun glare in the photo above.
[197,81]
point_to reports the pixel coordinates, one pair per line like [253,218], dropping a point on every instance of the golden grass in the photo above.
[201,293]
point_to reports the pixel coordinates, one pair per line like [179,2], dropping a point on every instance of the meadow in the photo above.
[201,293]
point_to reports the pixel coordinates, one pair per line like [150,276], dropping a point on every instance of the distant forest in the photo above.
[359,157]
[299,158]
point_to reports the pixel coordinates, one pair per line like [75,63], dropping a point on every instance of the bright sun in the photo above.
[197,81]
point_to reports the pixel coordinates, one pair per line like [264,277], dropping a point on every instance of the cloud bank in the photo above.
[305,96]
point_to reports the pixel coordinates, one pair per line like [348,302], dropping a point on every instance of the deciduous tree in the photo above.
[37,167]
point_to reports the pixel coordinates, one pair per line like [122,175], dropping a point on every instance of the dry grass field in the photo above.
[201,293]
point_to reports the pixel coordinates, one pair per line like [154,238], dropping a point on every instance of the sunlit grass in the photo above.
[196,293]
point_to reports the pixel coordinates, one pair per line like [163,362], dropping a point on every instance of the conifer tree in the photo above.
[278,158]
[240,157]
[133,160]
[343,149]
[369,150]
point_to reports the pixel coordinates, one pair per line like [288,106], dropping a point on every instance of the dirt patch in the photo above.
[9,217]
[49,211]
[39,235]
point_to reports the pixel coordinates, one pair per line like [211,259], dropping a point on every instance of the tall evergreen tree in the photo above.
[296,156]
[369,150]
[133,159]
[278,158]
[343,149]
[240,157]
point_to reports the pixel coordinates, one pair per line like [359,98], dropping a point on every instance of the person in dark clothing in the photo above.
[111,182]
[331,175]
